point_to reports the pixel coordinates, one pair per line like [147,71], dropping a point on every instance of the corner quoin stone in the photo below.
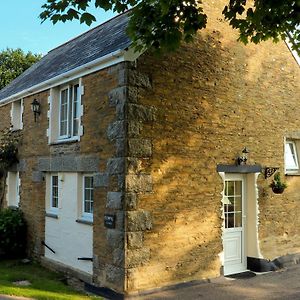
[114,200]
[138,183]
[139,220]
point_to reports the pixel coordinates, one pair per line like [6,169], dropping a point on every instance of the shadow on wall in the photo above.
[212,98]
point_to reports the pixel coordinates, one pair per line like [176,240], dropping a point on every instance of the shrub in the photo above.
[12,233]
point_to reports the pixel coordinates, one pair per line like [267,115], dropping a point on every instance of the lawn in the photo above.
[44,284]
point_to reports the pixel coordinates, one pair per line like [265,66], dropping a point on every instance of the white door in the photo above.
[234,224]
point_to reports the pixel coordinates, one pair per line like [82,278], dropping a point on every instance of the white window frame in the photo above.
[60,112]
[16,115]
[54,113]
[13,189]
[54,209]
[71,88]
[291,169]
[87,215]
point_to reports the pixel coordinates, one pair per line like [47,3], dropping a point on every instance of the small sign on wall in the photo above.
[110,221]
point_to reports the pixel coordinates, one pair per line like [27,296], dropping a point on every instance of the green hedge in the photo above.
[12,233]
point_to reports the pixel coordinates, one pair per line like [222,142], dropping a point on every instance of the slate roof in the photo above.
[94,44]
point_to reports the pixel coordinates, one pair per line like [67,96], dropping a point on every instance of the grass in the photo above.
[45,285]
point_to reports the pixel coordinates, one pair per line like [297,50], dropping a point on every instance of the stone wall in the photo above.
[100,150]
[191,111]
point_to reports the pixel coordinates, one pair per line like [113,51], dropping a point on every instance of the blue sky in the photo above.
[20,27]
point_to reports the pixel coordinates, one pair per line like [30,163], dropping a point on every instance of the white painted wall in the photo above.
[64,235]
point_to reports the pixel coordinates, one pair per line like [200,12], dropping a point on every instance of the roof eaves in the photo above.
[98,64]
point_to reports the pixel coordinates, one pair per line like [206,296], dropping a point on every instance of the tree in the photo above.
[164,24]
[13,63]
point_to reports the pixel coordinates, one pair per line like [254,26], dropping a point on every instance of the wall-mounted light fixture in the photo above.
[242,160]
[36,108]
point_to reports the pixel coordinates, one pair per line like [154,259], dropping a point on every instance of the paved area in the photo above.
[281,285]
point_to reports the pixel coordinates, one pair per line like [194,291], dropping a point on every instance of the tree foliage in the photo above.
[164,24]
[13,63]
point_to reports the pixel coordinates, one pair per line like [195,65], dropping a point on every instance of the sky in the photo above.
[20,27]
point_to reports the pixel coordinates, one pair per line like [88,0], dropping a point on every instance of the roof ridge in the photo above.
[89,30]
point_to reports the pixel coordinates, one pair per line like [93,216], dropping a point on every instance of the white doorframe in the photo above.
[234,224]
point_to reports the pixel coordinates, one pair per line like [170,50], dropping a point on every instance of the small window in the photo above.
[16,115]
[13,184]
[291,157]
[54,193]
[88,197]
[69,112]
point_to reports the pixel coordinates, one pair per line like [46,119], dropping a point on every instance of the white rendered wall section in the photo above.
[68,238]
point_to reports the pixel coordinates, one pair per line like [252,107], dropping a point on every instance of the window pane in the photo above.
[64,112]
[230,218]
[69,112]
[238,188]
[92,206]
[54,196]
[76,102]
[86,207]
[88,194]
[238,219]
[291,156]
[229,188]
[238,204]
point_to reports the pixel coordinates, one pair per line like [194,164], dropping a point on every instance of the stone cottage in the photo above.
[132,175]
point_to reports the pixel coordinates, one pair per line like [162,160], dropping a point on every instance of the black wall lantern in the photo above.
[242,160]
[36,108]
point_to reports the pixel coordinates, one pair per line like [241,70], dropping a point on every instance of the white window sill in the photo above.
[86,221]
[16,129]
[62,141]
[51,214]
[292,173]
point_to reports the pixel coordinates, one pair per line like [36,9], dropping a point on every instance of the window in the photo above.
[88,197]
[69,111]
[291,157]
[54,193]
[233,204]
[16,115]
[65,112]
[13,194]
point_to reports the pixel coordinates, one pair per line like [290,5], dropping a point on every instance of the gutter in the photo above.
[90,67]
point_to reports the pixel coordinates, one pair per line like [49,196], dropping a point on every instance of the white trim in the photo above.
[64,88]
[85,215]
[88,68]
[293,169]
[236,268]
[16,115]
[52,208]
[13,183]
[22,112]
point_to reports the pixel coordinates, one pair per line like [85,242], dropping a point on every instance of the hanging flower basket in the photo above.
[277,185]
[278,190]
